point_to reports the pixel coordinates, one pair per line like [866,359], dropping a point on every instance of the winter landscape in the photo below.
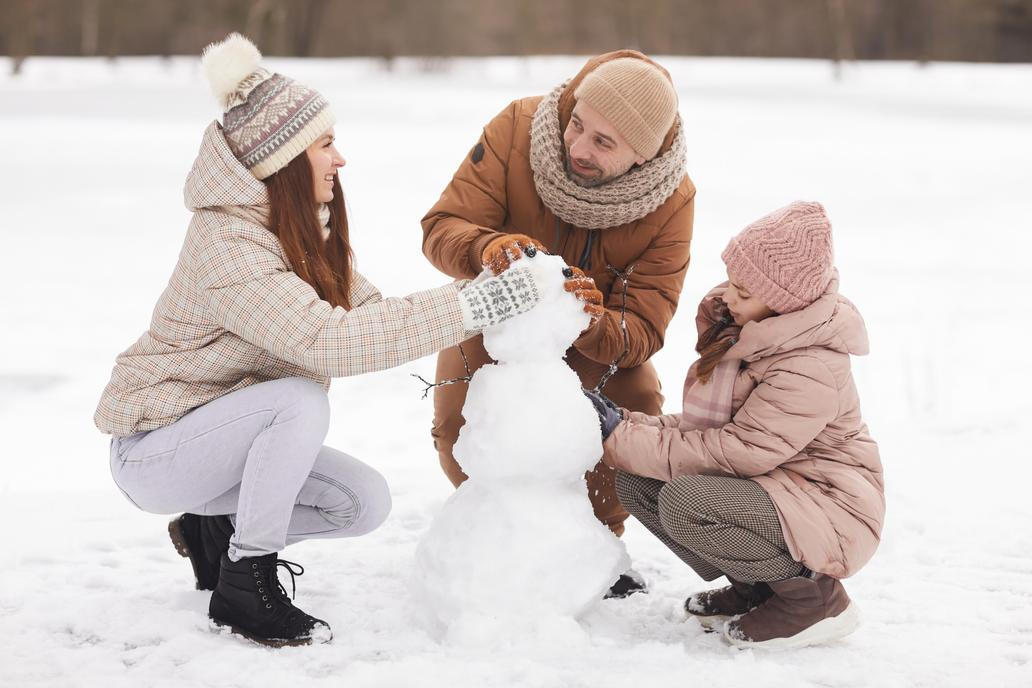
[924,171]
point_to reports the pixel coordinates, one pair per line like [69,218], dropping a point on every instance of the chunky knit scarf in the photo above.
[625,199]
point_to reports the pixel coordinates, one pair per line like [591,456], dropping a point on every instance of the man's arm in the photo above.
[653,289]
[474,204]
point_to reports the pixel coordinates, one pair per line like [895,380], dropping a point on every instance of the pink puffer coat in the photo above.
[795,429]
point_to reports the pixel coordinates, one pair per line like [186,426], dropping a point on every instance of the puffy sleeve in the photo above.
[793,402]
[251,293]
[653,290]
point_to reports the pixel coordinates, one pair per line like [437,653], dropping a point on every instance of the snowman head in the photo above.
[545,332]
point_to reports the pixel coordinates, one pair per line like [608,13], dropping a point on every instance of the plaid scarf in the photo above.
[709,405]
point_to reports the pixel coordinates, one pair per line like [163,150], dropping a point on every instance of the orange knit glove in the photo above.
[583,287]
[502,250]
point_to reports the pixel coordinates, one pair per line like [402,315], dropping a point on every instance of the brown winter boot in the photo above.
[714,607]
[804,610]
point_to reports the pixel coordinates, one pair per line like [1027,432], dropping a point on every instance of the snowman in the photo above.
[517,545]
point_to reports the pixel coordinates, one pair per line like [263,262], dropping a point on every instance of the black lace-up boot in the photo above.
[203,540]
[250,601]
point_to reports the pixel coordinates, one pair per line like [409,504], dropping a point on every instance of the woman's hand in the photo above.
[488,301]
[583,287]
[503,250]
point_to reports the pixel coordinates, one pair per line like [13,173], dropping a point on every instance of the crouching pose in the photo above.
[220,408]
[768,476]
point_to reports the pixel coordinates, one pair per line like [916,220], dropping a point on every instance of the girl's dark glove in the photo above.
[609,414]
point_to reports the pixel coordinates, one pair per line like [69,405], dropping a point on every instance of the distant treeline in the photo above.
[925,30]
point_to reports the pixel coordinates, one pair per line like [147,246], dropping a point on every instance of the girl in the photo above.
[768,476]
[220,408]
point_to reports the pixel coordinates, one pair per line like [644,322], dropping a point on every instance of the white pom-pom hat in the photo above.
[268,119]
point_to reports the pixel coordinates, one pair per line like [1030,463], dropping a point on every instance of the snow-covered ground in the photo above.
[924,171]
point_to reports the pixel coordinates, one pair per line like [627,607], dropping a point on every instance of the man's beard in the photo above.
[586,182]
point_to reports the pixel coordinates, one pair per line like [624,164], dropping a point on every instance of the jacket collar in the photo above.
[831,322]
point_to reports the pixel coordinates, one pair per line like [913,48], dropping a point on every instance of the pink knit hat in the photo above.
[785,257]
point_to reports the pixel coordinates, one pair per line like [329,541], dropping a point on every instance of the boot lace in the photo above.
[271,572]
[289,566]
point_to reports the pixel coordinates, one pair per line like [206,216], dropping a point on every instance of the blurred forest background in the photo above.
[921,30]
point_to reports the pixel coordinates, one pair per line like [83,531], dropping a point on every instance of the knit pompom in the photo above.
[228,63]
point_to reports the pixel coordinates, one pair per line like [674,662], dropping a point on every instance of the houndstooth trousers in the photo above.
[717,525]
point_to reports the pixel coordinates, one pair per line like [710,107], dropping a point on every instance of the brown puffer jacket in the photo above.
[493,191]
[796,430]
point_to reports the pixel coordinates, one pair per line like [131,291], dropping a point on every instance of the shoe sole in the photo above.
[175,533]
[824,631]
[711,624]
[219,627]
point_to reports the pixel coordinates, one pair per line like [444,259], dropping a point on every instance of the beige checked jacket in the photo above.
[234,314]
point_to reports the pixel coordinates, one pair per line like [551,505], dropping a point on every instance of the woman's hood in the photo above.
[218,179]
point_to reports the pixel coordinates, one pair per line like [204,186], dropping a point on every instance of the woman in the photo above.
[220,408]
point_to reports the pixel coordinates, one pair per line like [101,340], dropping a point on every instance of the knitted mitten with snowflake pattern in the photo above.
[491,300]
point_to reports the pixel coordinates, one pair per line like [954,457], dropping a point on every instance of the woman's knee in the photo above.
[375,505]
[363,502]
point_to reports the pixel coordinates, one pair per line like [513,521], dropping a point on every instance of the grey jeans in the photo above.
[258,455]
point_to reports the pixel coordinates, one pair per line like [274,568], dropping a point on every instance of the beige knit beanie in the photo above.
[269,119]
[636,98]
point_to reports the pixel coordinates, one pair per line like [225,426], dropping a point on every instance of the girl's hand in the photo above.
[609,414]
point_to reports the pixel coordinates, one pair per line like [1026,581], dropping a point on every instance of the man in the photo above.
[594,172]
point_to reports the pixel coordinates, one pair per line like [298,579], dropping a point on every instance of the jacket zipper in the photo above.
[584,262]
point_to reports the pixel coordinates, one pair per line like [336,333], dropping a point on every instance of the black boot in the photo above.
[203,540]
[627,584]
[251,602]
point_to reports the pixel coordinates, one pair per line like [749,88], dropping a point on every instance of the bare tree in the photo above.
[90,27]
[841,41]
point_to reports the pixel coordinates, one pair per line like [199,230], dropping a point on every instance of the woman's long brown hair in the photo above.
[294,219]
[712,346]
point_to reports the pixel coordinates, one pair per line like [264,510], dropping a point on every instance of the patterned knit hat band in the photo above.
[269,119]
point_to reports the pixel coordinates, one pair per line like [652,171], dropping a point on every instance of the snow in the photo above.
[924,172]
[546,332]
[522,517]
